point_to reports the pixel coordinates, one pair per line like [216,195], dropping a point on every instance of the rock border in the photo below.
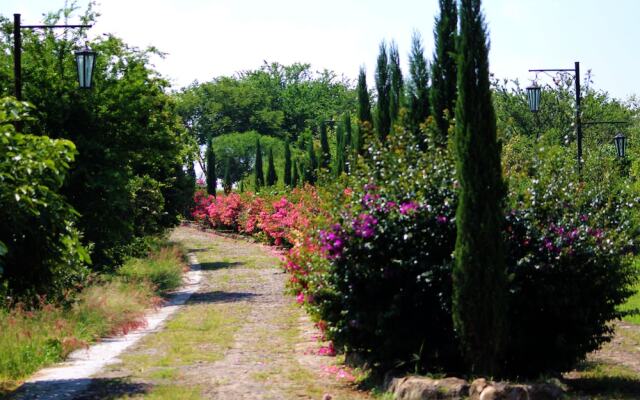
[424,388]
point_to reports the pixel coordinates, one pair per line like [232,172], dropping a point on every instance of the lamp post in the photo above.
[534,93]
[85,59]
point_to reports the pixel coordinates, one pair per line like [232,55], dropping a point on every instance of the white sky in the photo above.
[208,38]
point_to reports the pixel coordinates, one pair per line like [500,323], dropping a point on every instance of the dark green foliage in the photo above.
[311,170]
[295,176]
[418,86]
[40,248]
[443,67]
[364,102]
[479,274]
[396,94]
[258,174]
[272,178]
[287,164]
[383,86]
[325,151]
[212,178]
[227,182]
[125,128]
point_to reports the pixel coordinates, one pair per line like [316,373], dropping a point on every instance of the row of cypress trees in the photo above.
[430,89]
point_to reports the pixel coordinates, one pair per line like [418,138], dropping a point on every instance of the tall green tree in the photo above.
[348,140]
[311,175]
[258,174]
[383,86]
[287,163]
[325,151]
[364,101]
[396,94]
[443,67]
[212,178]
[418,85]
[479,274]
[338,166]
[272,178]
[227,181]
[295,176]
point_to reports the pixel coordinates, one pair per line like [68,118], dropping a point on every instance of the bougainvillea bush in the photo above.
[370,256]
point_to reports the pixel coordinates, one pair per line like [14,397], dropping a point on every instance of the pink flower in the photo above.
[300,298]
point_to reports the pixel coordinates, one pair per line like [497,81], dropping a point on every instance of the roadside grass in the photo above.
[116,304]
[603,381]
[633,303]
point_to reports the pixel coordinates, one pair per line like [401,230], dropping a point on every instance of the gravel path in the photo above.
[238,337]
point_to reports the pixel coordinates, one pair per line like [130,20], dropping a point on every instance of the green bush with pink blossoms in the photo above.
[371,257]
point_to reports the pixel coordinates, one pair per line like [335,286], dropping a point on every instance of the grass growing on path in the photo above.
[31,339]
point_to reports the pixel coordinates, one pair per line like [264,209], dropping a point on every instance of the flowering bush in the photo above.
[372,262]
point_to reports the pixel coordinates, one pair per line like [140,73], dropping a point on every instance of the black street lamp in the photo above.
[85,58]
[621,144]
[534,94]
[85,62]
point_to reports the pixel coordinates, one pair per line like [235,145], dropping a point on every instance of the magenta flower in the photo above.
[332,242]
[408,207]
[364,226]
[441,219]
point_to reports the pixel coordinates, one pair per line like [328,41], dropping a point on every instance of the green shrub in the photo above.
[570,249]
[43,251]
[387,291]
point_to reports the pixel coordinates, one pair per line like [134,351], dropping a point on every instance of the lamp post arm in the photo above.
[17,49]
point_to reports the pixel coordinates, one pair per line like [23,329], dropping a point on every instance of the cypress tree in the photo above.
[418,86]
[227,184]
[364,102]
[338,166]
[383,86]
[241,188]
[325,152]
[258,177]
[211,169]
[272,178]
[443,68]
[287,163]
[479,272]
[312,168]
[295,177]
[348,140]
[396,83]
